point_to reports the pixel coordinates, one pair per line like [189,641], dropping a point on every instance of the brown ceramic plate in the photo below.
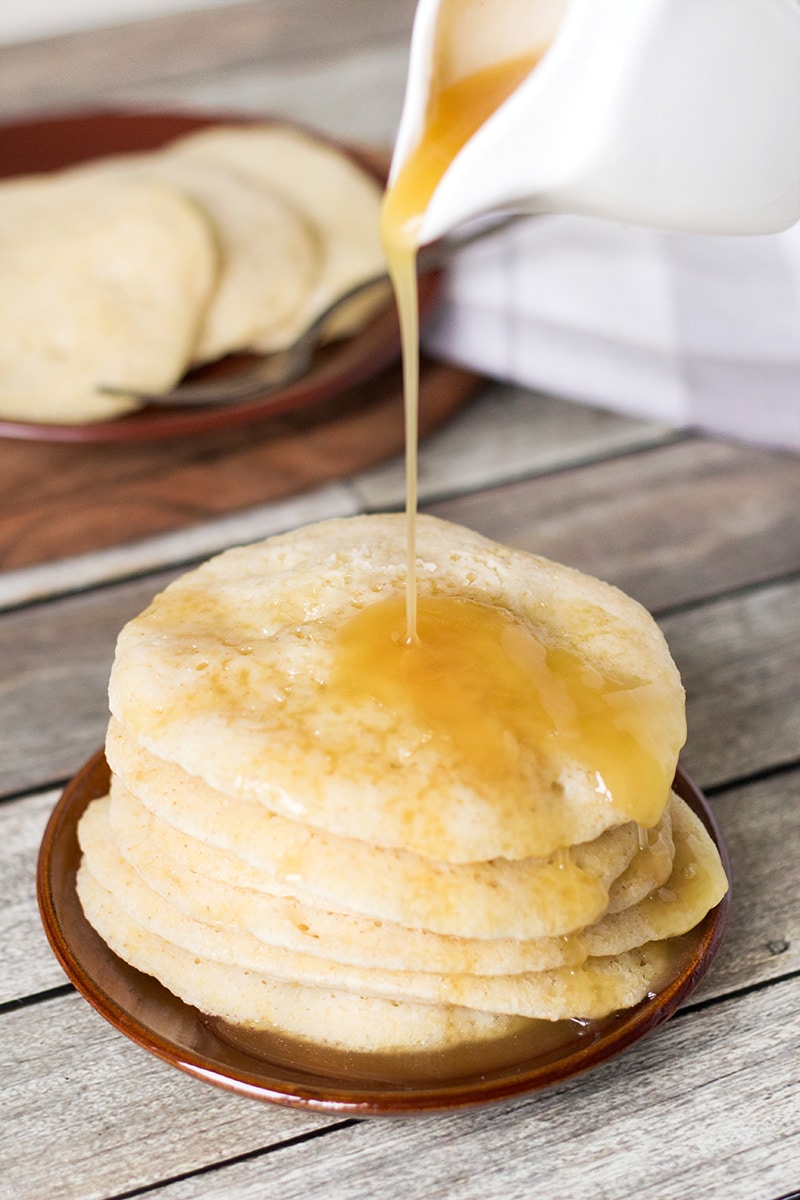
[272,1068]
[47,144]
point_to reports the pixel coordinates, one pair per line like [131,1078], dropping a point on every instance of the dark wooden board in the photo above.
[61,499]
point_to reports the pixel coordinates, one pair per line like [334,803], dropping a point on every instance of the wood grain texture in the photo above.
[56,662]
[80,572]
[110,1116]
[668,1120]
[508,436]
[28,963]
[670,526]
[740,663]
[496,437]
[65,72]
[57,499]
[761,827]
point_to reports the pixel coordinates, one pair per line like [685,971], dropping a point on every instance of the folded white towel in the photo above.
[690,330]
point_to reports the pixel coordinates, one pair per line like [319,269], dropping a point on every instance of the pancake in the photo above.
[337,199]
[692,893]
[231,675]
[589,991]
[695,885]
[103,282]
[170,886]
[167,870]
[419,841]
[292,923]
[277,934]
[244,845]
[269,254]
[323,1015]
[649,868]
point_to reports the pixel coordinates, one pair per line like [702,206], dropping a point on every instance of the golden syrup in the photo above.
[536,1043]
[474,675]
[495,694]
[455,112]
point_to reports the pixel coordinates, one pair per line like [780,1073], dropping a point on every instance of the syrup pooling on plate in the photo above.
[535,1044]
[496,695]
[456,111]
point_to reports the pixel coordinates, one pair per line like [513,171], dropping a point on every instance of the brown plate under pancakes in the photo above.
[269,1067]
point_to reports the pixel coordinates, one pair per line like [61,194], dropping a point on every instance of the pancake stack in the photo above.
[288,848]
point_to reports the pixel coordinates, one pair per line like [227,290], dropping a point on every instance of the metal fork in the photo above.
[268,373]
[271,372]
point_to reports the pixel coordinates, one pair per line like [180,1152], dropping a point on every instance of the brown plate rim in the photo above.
[251,1076]
[48,143]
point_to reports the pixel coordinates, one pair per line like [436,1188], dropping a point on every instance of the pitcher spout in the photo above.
[675,114]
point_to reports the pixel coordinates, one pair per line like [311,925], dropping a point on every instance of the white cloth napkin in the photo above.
[690,330]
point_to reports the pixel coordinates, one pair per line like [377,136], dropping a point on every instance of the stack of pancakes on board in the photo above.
[289,854]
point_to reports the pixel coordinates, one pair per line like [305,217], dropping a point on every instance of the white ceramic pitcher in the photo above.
[674,114]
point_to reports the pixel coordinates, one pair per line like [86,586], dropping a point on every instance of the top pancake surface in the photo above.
[228,674]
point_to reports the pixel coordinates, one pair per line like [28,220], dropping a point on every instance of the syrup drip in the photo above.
[455,113]
[474,675]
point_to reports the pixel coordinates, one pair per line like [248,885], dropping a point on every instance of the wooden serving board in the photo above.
[59,499]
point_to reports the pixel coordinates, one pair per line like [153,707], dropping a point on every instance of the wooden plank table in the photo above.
[704,532]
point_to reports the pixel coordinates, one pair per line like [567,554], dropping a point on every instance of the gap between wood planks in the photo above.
[734,994]
[251,1155]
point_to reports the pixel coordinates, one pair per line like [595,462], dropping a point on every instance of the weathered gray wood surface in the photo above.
[761,826]
[698,1109]
[705,533]
[607,1135]
[262,36]
[672,525]
[112,1117]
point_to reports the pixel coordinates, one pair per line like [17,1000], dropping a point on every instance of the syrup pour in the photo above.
[455,112]
[483,682]
[460,675]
